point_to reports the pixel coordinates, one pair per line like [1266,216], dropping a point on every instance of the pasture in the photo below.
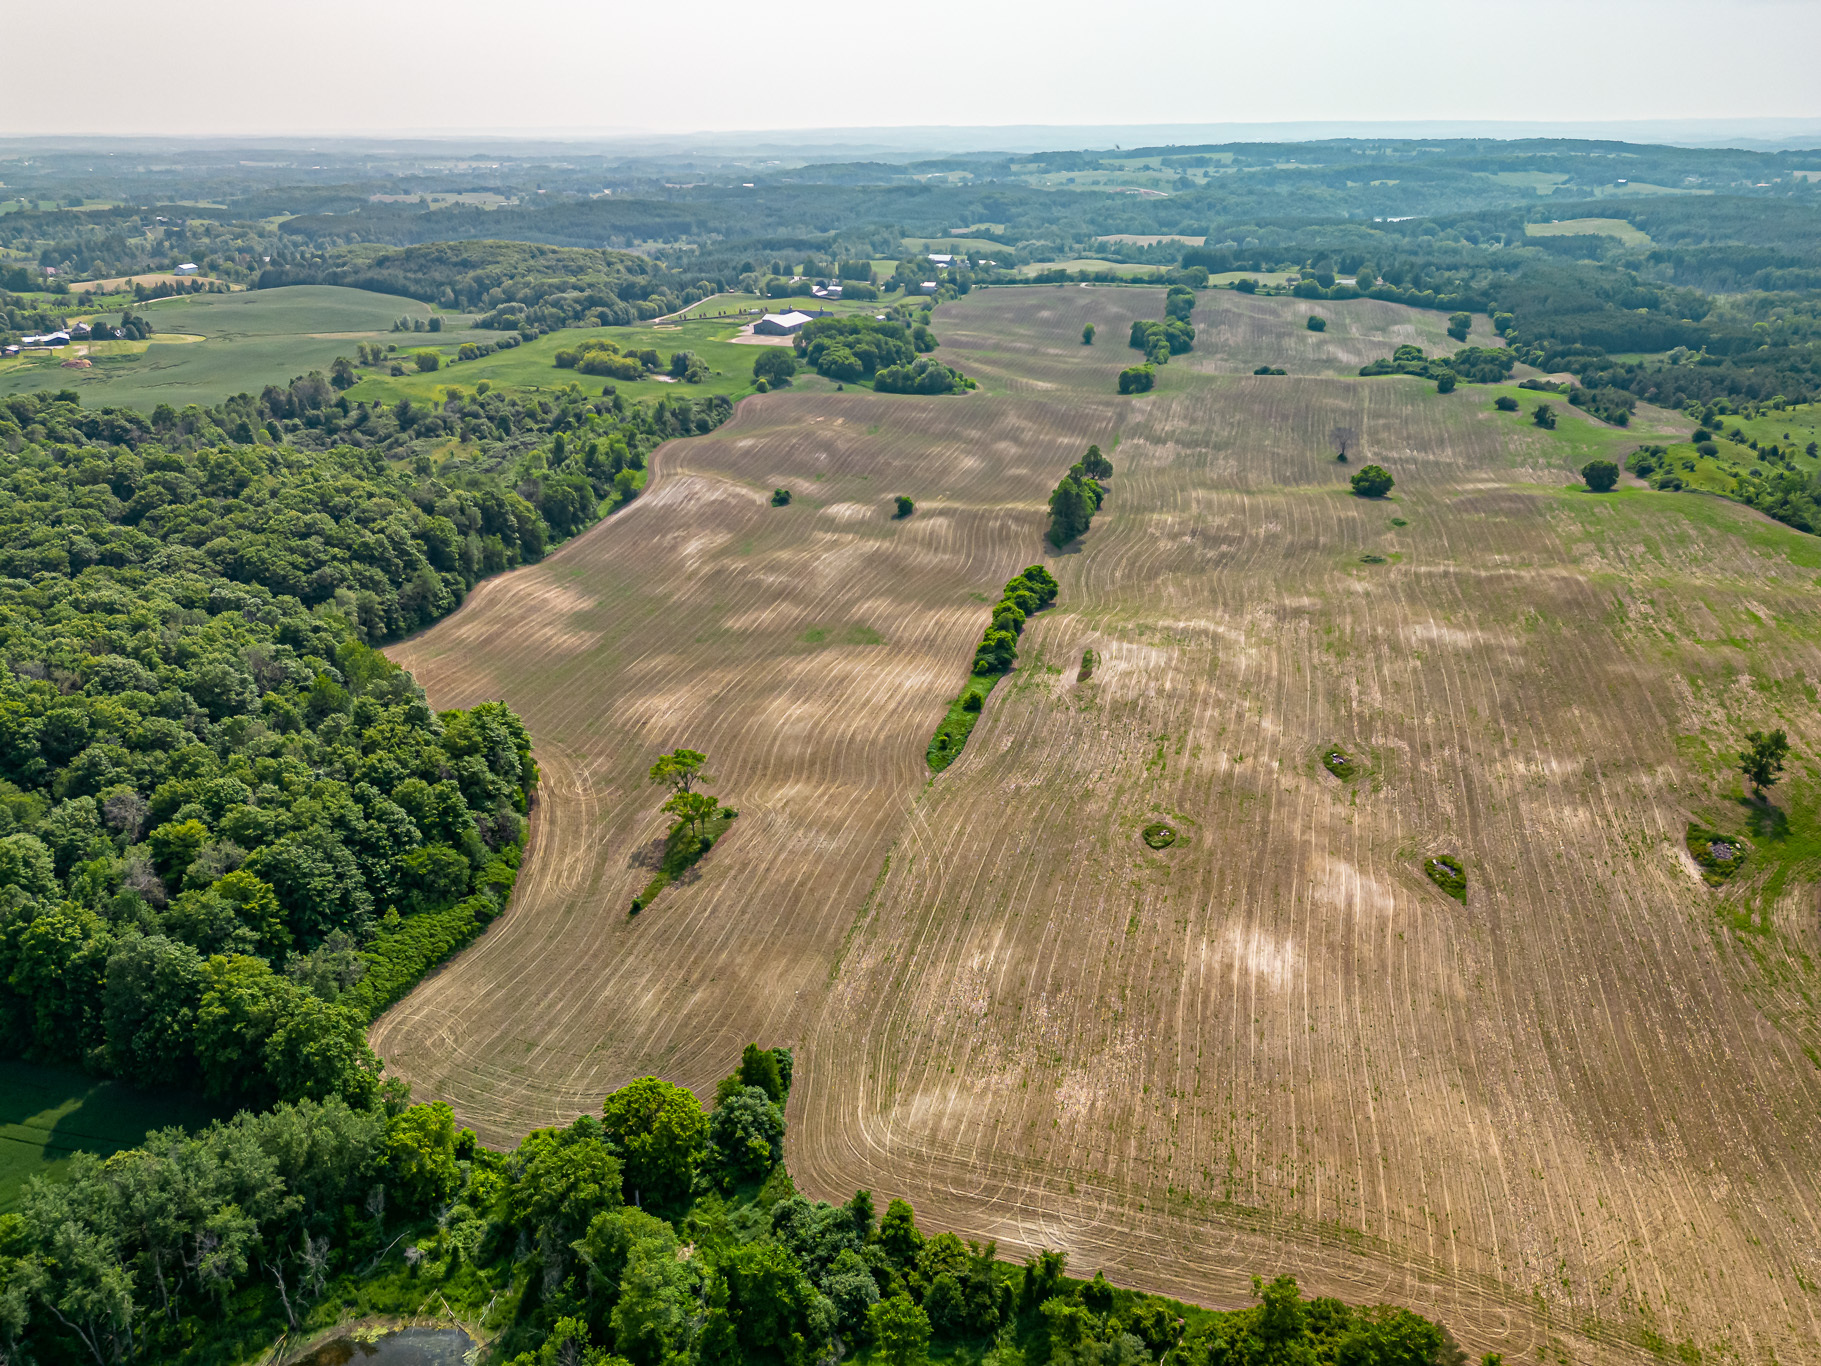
[249,340]
[1591,227]
[1571,1116]
[46,1113]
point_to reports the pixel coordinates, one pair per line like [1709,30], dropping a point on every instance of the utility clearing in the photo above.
[1572,1116]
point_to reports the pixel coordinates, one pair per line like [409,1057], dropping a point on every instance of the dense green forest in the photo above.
[656,1234]
[233,831]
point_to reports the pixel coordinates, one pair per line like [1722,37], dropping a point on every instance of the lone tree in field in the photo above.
[905,506]
[1372,482]
[1344,439]
[1544,416]
[1762,764]
[681,770]
[1459,324]
[1600,475]
[1087,335]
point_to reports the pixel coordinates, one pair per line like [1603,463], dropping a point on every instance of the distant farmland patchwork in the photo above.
[1572,1117]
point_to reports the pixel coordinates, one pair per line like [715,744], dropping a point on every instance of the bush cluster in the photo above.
[1475,364]
[1137,379]
[923,376]
[1031,591]
[851,348]
[1075,500]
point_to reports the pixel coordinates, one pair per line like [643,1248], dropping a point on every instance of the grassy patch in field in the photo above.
[1338,762]
[1446,872]
[946,744]
[1159,834]
[1591,227]
[1720,856]
[47,1113]
[683,849]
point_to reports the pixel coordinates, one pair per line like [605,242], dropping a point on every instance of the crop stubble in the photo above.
[1565,1117]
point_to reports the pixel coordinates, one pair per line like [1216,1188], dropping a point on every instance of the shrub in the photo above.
[905,506]
[1544,416]
[1137,379]
[780,498]
[1505,403]
[1316,323]
[1708,448]
[1445,871]
[1459,324]
[1600,475]
[1720,856]
[1269,370]
[1087,335]
[1374,481]
[428,360]
[1444,383]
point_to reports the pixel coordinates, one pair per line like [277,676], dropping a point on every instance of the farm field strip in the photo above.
[1570,1117]
[683,621]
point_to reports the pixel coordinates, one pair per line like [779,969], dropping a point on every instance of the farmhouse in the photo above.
[780,324]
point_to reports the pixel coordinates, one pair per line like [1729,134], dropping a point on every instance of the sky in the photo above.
[558,67]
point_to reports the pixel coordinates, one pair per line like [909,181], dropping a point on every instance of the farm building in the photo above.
[188,268]
[46,339]
[928,287]
[780,324]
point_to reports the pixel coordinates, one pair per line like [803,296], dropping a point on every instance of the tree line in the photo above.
[1026,593]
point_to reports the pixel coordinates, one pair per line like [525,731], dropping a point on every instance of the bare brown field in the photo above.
[1573,1118]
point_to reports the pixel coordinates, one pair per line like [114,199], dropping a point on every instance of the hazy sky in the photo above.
[209,67]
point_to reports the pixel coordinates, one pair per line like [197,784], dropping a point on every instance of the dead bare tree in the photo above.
[1344,439]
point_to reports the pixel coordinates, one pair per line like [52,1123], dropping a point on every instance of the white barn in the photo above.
[780,324]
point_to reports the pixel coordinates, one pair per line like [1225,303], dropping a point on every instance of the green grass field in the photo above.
[1092,263]
[1591,227]
[533,365]
[46,1113]
[950,245]
[250,340]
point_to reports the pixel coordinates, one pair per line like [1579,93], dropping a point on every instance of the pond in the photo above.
[406,1347]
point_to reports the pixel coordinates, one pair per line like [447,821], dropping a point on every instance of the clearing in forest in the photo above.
[1570,1116]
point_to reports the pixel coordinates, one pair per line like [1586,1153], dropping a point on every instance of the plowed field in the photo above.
[1573,1117]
